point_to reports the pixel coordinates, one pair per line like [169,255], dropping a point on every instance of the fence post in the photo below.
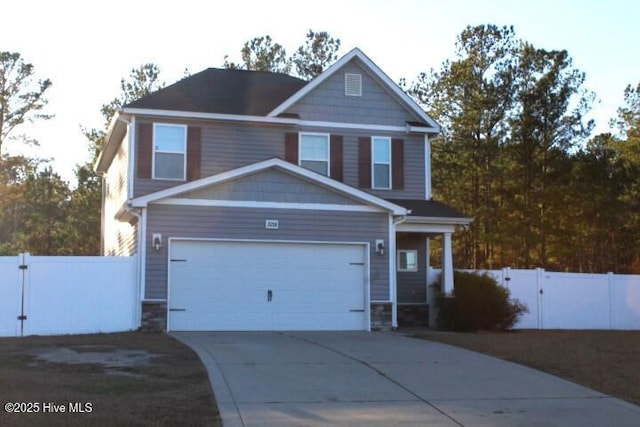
[23,265]
[540,294]
[506,277]
[610,286]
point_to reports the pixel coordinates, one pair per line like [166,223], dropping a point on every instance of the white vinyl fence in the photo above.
[572,300]
[50,295]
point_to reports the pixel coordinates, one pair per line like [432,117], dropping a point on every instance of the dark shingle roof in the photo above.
[429,208]
[225,92]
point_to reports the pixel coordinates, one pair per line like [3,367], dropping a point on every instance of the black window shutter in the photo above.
[194,153]
[364,162]
[397,163]
[145,149]
[291,148]
[336,158]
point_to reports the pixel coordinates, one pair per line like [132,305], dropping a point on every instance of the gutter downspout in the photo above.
[131,131]
[139,259]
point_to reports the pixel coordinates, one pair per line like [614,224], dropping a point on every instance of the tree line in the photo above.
[516,153]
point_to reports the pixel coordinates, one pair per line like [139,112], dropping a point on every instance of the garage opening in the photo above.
[267,286]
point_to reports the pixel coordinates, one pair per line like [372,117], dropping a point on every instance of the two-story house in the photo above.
[259,201]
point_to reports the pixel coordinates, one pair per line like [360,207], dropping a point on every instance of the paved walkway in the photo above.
[386,379]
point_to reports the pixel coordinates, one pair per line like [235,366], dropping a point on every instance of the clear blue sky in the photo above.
[85,48]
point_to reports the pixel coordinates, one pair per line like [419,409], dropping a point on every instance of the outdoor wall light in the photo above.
[380,246]
[157,241]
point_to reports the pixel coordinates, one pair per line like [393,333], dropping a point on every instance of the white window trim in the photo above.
[373,163]
[411,270]
[326,135]
[184,153]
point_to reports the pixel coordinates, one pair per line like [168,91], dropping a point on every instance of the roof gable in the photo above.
[269,185]
[357,56]
[376,105]
[336,187]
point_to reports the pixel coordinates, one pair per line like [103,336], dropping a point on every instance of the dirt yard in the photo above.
[607,361]
[130,379]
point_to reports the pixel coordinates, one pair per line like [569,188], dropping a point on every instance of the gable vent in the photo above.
[353,84]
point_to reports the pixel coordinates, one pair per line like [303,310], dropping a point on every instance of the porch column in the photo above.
[447,265]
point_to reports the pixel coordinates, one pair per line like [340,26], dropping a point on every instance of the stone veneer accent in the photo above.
[381,317]
[154,316]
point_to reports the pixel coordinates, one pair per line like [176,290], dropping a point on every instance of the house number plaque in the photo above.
[271,224]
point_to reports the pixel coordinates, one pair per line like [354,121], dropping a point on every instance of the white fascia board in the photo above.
[374,69]
[276,121]
[177,201]
[425,228]
[115,132]
[438,220]
[266,164]
[209,116]
[422,129]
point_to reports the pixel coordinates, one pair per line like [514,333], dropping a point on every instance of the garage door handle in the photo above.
[361,310]
[177,309]
[269,295]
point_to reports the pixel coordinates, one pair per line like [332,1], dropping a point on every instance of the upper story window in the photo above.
[314,152]
[381,162]
[169,151]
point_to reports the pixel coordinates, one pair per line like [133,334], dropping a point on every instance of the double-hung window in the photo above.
[381,162]
[314,152]
[169,151]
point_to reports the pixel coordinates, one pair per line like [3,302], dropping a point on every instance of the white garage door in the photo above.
[227,286]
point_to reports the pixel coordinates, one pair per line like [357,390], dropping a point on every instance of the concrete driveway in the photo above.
[386,379]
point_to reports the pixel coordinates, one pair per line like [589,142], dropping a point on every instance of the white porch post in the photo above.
[427,270]
[447,264]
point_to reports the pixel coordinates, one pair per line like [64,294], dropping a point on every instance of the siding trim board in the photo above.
[267,205]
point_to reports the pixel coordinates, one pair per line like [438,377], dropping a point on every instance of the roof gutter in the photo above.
[440,220]
[114,129]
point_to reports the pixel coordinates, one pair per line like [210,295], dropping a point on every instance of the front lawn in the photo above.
[132,379]
[606,361]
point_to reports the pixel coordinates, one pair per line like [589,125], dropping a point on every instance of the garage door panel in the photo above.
[224,286]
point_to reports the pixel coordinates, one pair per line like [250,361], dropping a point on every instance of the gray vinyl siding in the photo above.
[270,186]
[412,286]
[236,223]
[328,102]
[226,146]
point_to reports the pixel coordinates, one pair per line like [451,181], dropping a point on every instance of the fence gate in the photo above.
[10,295]
[51,295]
